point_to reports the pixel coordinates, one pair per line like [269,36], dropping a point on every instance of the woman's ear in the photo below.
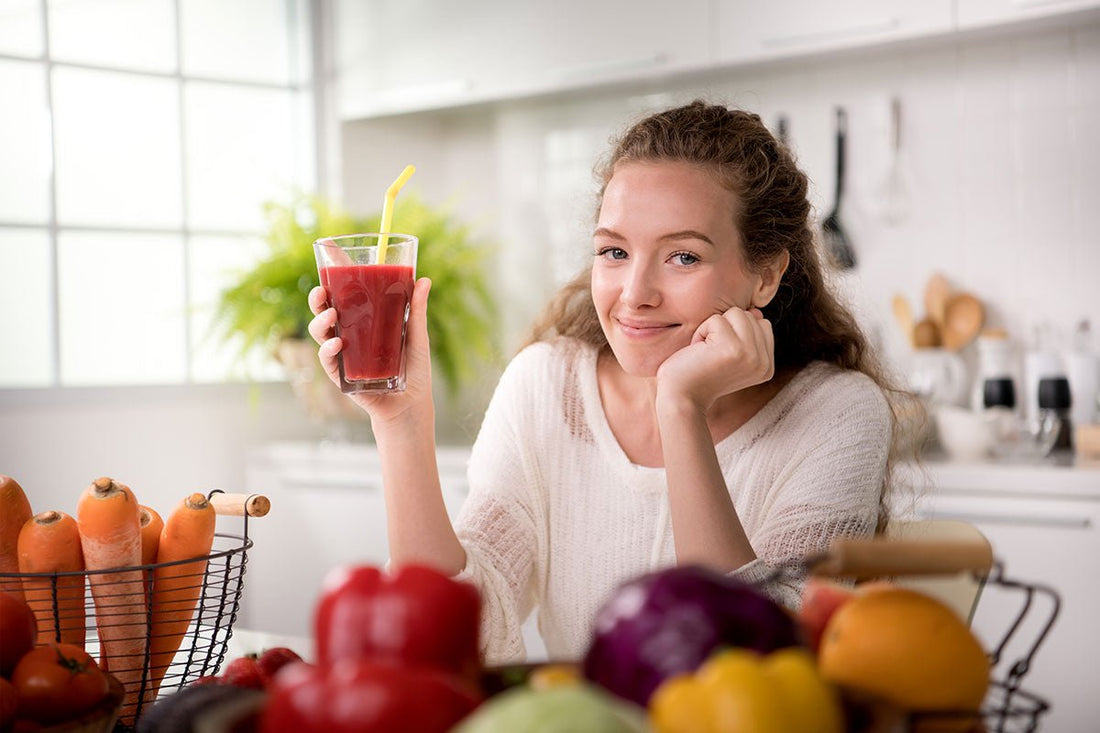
[770,275]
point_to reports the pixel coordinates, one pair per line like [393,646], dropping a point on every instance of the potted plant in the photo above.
[267,306]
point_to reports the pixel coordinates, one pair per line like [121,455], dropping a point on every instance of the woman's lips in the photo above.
[643,328]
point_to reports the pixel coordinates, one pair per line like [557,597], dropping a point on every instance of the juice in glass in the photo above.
[372,307]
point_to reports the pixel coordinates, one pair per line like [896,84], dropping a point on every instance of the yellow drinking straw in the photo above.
[387,211]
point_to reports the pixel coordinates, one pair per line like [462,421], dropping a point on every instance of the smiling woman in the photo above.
[668,256]
[696,396]
[134,169]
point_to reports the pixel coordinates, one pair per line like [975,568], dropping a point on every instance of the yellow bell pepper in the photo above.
[548,676]
[739,691]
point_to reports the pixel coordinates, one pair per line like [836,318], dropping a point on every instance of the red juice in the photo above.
[371,302]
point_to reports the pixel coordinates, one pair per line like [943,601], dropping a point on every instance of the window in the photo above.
[138,143]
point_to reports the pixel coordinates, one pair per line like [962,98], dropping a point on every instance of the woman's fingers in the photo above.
[753,331]
[417,335]
[327,356]
[318,300]
[323,329]
[323,325]
[766,342]
[418,358]
[765,339]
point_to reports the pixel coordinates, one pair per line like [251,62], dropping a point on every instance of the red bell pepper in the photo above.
[365,696]
[415,616]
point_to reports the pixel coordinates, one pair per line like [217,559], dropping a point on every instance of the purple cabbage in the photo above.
[669,622]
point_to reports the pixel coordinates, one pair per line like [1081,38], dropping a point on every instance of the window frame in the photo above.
[305,29]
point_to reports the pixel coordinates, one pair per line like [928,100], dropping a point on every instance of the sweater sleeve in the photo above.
[498,523]
[830,488]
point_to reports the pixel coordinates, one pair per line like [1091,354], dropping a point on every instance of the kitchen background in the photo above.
[994,185]
[998,169]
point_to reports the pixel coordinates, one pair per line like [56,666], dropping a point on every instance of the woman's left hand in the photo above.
[728,352]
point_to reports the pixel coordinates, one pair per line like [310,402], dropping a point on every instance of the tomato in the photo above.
[17,631]
[56,682]
[9,701]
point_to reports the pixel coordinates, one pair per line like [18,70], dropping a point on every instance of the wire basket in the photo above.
[204,605]
[1008,707]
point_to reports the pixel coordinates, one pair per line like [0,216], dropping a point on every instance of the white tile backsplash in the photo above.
[1000,158]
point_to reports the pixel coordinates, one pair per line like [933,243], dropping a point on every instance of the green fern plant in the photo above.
[268,303]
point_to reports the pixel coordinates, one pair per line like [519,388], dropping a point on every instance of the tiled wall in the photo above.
[1000,155]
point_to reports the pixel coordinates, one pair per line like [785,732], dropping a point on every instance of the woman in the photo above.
[696,396]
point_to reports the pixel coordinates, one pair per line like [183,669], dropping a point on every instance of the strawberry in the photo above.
[274,659]
[244,672]
[209,679]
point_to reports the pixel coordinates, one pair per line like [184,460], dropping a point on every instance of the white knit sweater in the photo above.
[557,515]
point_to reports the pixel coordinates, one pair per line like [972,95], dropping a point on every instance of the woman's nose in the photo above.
[640,288]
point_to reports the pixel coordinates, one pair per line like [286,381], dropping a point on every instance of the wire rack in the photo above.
[204,598]
[1008,707]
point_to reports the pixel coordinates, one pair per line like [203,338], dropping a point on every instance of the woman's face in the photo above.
[667,257]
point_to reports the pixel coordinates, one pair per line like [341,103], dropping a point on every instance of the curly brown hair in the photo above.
[774,215]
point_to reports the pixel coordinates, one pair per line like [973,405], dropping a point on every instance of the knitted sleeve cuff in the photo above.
[785,590]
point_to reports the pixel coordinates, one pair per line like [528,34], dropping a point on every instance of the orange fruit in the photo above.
[906,648]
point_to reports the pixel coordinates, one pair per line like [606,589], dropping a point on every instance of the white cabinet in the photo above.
[397,56]
[574,43]
[979,13]
[409,55]
[1045,531]
[327,509]
[749,30]
[414,54]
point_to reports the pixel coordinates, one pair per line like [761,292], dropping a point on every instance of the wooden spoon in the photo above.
[903,314]
[926,334]
[936,293]
[963,317]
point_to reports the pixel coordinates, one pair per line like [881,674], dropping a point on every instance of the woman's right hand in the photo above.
[383,408]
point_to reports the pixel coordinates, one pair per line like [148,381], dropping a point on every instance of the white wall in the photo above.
[1000,153]
[164,442]
[1000,135]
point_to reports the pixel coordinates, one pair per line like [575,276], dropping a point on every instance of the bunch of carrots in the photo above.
[141,613]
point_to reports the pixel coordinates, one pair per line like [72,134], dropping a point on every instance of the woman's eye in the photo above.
[684,258]
[612,253]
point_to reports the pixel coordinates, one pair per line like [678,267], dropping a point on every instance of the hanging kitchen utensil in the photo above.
[963,316]
[837,244]
[936,293]
[926,334]
[895,187]
[903,315]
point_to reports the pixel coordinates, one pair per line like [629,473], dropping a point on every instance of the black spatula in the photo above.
[837,245]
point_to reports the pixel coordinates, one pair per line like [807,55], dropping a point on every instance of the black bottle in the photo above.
[1054,403]
[999,392]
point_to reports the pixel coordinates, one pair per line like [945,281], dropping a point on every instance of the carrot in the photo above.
[15,510]
[188,533]
[50,543]
[151,526]
[110,536]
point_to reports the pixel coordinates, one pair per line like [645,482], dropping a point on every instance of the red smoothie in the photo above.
[371,301]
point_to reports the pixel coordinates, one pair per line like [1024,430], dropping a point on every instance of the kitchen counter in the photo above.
[300,462]
[1043,521]
[1050,479]
[251,641]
